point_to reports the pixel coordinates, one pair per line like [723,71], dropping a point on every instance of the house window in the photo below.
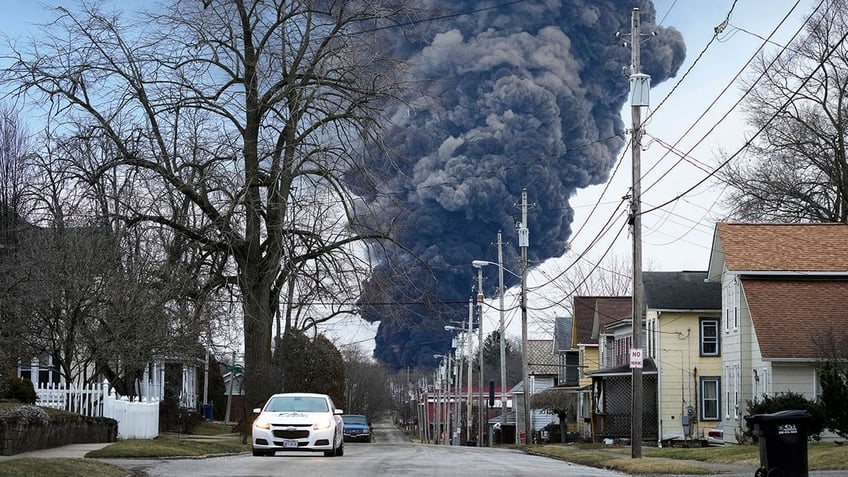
[725,310]
[764,375]
[710,398]
[622,350]
[730,302]
[40,371]
[737,383]
[709,337]
[728,392]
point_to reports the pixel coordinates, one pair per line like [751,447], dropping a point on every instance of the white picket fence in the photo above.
[136,419]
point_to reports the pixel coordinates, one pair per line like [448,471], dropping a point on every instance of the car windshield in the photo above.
[355,420]
[297,404]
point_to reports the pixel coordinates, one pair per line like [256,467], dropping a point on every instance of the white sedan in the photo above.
[298,422]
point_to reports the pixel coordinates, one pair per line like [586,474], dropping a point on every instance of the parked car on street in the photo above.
[356,428]
[298,422]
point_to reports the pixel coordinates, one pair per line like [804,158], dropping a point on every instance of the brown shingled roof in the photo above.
[610,308]
[788,315]
[784,247]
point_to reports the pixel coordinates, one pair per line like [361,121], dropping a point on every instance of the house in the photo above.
[591,314]
[74,264]
[611,380]
[682,318]
[542,367]
[784,295]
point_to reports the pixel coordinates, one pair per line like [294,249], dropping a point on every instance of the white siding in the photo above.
[795,377]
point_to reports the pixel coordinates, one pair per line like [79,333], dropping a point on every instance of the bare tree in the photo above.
[366,385]
[228,109]
[797,168]
[557,401]
[15,174]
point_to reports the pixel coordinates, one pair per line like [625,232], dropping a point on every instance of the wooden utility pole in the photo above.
[502,332]
[639,87]
[523,243]
[469,403]
[480,412]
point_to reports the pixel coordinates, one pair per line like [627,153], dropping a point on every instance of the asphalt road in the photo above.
[390,454]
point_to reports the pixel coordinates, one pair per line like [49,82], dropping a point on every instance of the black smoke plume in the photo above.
[505,96]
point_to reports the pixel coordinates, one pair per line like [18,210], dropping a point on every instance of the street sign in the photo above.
[635,357]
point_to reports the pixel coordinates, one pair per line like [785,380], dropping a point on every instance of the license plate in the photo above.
[289,443]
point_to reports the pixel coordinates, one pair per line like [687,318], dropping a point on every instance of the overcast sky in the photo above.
[677,236]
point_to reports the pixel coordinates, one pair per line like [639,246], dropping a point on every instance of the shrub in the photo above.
[18,389]
[790,401]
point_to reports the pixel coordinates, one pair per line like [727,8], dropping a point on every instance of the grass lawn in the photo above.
[673,460]
[34,467]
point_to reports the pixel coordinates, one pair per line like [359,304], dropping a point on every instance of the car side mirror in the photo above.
[257,410]
[338,412]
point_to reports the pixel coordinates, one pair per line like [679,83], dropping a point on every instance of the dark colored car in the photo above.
[356,428]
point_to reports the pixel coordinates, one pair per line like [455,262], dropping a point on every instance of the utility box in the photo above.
[782,438]
[640,90]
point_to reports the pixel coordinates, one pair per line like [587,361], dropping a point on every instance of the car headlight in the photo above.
[261,423]
[323,423]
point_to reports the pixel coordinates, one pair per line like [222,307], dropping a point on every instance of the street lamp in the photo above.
[479,264]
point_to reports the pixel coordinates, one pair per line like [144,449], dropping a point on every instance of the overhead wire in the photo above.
[767,123]
[783,20]
[623,155]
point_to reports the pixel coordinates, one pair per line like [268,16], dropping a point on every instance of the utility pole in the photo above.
[468,403]
[639,88]
[438,410]
[523,243]
[501,330]
[457,403]
[480,356]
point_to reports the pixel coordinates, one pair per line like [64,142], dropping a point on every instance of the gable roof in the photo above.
[791,316]
[779,247]
[685,290]
[611,310]
[606,308]
[541,358]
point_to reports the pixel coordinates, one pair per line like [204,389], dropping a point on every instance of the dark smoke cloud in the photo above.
[526,95]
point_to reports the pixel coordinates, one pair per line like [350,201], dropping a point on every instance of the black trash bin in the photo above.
[782,438]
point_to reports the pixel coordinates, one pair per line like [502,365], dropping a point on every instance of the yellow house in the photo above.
[683,319]
[591,315]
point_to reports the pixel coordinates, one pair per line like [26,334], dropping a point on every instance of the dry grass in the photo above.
[30,467]
[167,446]
[673,460]
[827,456]
[617,459]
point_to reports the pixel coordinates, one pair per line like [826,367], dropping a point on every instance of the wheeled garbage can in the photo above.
[782,438]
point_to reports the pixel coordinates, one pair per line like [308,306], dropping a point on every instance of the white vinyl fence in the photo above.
[136,419]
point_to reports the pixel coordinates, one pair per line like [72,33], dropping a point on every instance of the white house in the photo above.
[784,295]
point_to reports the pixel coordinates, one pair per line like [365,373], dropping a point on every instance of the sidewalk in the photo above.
[71,451]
